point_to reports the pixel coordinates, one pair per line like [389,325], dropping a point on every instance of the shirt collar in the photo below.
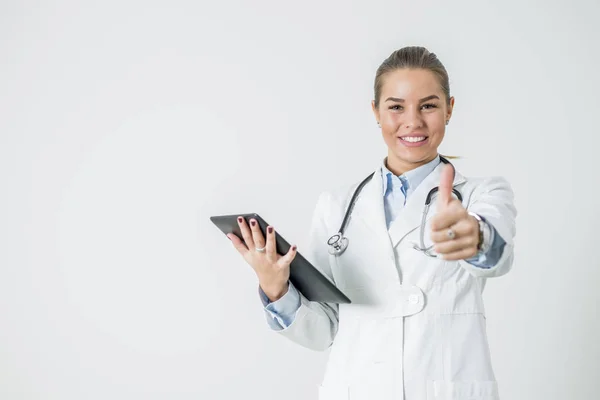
[414,176]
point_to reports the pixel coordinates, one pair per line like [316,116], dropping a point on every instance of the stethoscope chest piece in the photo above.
[337,244]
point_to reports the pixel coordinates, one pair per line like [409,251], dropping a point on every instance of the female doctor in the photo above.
[416,327]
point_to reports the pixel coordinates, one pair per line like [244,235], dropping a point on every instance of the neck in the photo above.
[398,166]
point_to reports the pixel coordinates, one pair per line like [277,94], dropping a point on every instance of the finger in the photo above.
[271,251]
[289,257]
[257,235]
[246,234]
[449,216]
[445,187]
[462,228]
[463,254]
[458,244]
[238,244]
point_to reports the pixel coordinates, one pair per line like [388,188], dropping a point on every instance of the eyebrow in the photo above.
[433,96]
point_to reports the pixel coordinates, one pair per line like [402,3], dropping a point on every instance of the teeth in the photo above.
[414,139]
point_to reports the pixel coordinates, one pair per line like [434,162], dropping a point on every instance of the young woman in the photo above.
[415,329]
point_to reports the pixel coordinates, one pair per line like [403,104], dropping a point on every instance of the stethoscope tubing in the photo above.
[338,243]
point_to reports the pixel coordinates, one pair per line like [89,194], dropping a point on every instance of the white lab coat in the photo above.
[416,327]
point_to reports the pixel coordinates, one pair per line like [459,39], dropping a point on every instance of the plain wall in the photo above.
[125,124]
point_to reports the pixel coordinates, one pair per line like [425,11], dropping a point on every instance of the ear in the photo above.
[450,109]
[375,111]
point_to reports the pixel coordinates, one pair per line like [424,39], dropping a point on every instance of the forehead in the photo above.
[410,84]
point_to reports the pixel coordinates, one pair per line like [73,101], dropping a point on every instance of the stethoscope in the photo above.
[338,243]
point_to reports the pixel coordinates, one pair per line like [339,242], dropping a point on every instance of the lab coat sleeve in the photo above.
[493,199]
[315,323]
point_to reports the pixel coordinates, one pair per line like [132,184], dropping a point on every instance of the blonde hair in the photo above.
[412,57]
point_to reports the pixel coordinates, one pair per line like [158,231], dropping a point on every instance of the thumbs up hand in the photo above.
[454,232]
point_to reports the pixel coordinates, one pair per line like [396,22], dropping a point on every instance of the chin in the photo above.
[415,155]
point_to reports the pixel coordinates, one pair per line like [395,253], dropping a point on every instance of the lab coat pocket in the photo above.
[456,390]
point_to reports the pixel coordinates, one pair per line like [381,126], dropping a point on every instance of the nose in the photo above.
[412,118]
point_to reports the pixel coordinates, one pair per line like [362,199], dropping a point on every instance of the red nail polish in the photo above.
[253,222]
[240,220]
[294,248]
[270,229]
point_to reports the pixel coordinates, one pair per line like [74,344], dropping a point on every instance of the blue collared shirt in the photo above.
[396,189]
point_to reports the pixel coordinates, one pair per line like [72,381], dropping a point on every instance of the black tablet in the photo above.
[306,278]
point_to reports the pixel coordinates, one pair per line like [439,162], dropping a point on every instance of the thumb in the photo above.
[289,257]
[446,180]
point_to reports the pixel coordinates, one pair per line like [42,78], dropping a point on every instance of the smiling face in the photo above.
[412,112]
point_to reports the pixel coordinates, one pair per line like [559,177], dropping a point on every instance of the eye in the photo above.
[429,106]
[395,107]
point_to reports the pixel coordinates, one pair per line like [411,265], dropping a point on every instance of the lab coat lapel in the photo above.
[369,207]
[412,213]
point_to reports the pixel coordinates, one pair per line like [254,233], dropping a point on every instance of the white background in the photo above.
[125,124]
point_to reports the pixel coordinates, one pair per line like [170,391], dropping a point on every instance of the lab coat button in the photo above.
[413,298]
